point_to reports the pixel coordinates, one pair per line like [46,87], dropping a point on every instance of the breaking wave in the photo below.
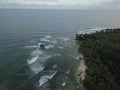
[32,60]
[49,46]
[48,39]
[64,39]
[61,47]
[32,46]
[89,30]
[45,78]
[36,63]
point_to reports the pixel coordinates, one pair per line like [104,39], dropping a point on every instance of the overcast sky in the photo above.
[77,4]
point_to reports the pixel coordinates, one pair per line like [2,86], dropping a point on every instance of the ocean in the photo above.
[26,66]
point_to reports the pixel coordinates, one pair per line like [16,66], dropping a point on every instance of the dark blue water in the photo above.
[25,66]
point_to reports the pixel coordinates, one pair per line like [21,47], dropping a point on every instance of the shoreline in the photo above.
[101,50]
[81,72]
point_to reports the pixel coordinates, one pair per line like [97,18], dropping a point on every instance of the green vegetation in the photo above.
[102,55]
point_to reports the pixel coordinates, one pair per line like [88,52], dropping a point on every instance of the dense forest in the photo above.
[102,56]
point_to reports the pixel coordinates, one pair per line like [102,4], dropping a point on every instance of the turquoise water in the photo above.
[24,66]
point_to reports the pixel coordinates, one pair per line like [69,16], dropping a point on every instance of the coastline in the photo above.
[101,52]
[81,72]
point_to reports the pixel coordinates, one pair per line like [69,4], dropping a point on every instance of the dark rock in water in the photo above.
[42,46]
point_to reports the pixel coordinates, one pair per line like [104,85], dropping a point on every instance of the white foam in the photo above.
[32,46]
[49,46]
[47,39]
[32,60]
[68,72]
[48,36]
[37,68]
[37,52]
[64,39]
[45,78]
[43,58]
[50,41]
[61,47]
[81,32]
[63,84]
[53,42]
[57,54]
[78,86]
[52,75]
[40,44]
[39,64]
[95,29]
[54,66]
[77,57]
[36,63]
[90,30]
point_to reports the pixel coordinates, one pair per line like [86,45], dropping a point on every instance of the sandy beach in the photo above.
[81,70]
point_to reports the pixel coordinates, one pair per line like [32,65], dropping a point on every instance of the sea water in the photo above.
[25,66]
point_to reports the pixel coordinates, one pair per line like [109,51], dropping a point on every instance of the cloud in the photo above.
[58,3]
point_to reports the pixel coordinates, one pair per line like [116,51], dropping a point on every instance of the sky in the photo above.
[74,4]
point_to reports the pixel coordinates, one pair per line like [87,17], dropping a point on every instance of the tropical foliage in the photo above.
[102,55]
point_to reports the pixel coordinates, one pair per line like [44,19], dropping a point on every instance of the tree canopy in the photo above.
[102,55]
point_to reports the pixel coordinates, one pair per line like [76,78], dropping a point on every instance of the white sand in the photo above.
[81,69]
